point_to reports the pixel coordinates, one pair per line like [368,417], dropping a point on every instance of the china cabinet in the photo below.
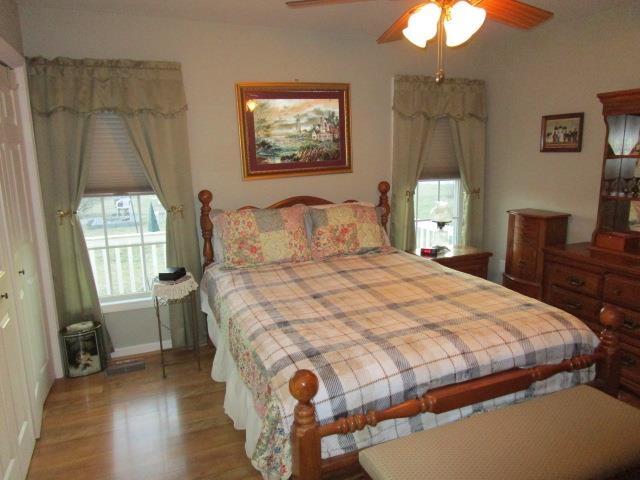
[582,278]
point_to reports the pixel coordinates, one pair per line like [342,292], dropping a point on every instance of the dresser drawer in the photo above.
[526,231]
[574,279]
[631,323]
[582,306]
[630,367]
[621,291]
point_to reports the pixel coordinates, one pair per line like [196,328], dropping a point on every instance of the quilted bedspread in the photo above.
[378,329]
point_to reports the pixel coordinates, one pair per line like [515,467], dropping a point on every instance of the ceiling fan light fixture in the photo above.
[461,21]
[423,24]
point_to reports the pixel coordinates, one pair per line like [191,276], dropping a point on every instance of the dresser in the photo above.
[580,280]
[529,231]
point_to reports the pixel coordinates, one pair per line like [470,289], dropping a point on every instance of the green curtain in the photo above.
[150,97]
[469,139]
[61,142]
[417,103]
[163,146]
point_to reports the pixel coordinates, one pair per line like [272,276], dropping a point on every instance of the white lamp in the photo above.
[461,21]
[442,215]
[423,24]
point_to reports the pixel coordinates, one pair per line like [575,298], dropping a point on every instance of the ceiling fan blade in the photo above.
[315,3]
[515,13]
[394,32]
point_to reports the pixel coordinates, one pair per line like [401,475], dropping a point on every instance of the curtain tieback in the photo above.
[409,194]
[176,209]
[475,192]
[62,214]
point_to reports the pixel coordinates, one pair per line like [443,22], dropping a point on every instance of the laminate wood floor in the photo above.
[140,426]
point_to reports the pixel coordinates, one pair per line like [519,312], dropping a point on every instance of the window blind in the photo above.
[114,164]
[441,161]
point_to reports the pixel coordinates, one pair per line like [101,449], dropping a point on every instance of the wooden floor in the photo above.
[139,426]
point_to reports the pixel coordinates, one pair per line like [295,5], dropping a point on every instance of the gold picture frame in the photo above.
[294,129]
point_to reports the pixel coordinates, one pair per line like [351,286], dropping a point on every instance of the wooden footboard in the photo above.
[307,433]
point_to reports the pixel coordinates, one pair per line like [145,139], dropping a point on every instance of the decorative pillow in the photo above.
[308,223]
[256,237]
[345,229]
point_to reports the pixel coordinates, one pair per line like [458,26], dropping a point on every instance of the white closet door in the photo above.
[17,438]
[23,250]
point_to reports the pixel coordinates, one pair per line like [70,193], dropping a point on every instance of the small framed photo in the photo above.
[292,129]
[561,133]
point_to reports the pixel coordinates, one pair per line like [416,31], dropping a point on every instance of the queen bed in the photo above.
[385,332]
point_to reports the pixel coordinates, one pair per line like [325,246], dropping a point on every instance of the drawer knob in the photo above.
[628,362]
[572,306]
[617,291]
[575,281]
[630,324]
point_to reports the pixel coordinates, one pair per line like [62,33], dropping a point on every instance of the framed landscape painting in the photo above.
[292,129]
[561,133]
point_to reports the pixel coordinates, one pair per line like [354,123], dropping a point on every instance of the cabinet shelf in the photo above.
[627,198]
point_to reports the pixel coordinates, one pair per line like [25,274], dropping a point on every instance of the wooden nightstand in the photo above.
[470,260]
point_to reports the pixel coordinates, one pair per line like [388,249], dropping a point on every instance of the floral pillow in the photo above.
[346,229]
[256,237]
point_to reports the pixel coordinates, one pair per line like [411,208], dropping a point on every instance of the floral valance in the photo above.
[86,86]
[455,97]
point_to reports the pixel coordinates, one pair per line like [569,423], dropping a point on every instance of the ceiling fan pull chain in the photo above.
[440,61]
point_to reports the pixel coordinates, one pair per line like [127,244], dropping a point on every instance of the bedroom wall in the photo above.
[216,56]
[557,68]
[10,24]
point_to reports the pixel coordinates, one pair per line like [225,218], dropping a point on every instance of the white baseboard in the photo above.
[138,349]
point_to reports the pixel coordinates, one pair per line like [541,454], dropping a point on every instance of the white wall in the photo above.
[10,24]
[216,56]
[557,68]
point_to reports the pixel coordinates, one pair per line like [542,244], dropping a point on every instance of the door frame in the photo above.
[15,60]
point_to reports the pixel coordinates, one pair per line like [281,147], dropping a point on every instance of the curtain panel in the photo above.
[418,102]
[150,97]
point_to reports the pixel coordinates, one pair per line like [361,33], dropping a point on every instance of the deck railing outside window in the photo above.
[428,192]
[126,240]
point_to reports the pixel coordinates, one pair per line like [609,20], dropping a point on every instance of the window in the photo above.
[439,181]
[428,192]
[126,240]
[123,222]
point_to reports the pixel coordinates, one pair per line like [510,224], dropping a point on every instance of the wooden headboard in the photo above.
[206,226]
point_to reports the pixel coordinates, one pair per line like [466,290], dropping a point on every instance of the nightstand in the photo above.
[469,260]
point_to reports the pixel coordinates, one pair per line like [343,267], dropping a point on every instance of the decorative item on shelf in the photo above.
[609,184]
[635,190]
[561,133]
[628,185]
[293,129]
[442,215]
[171,274]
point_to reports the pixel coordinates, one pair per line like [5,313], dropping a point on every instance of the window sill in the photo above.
[125,305]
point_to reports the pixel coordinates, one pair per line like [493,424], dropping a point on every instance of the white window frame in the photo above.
[133,301]
[456,224]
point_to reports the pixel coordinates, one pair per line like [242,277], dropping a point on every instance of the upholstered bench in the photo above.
[580,433]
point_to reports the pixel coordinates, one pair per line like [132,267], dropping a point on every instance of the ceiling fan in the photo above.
[458,20]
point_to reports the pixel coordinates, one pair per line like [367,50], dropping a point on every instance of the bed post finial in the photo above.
[205,197]
[608,372]
[383,188]
[305,440]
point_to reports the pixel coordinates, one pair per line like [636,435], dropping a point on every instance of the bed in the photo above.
[324,358]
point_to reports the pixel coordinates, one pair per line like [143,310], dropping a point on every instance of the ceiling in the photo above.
[365,17]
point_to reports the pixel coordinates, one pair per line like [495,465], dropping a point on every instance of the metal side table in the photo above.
[169,293]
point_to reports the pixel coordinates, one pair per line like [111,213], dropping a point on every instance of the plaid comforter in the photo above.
[377,330]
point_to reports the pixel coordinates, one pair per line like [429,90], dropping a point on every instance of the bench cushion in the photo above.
[579,433]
